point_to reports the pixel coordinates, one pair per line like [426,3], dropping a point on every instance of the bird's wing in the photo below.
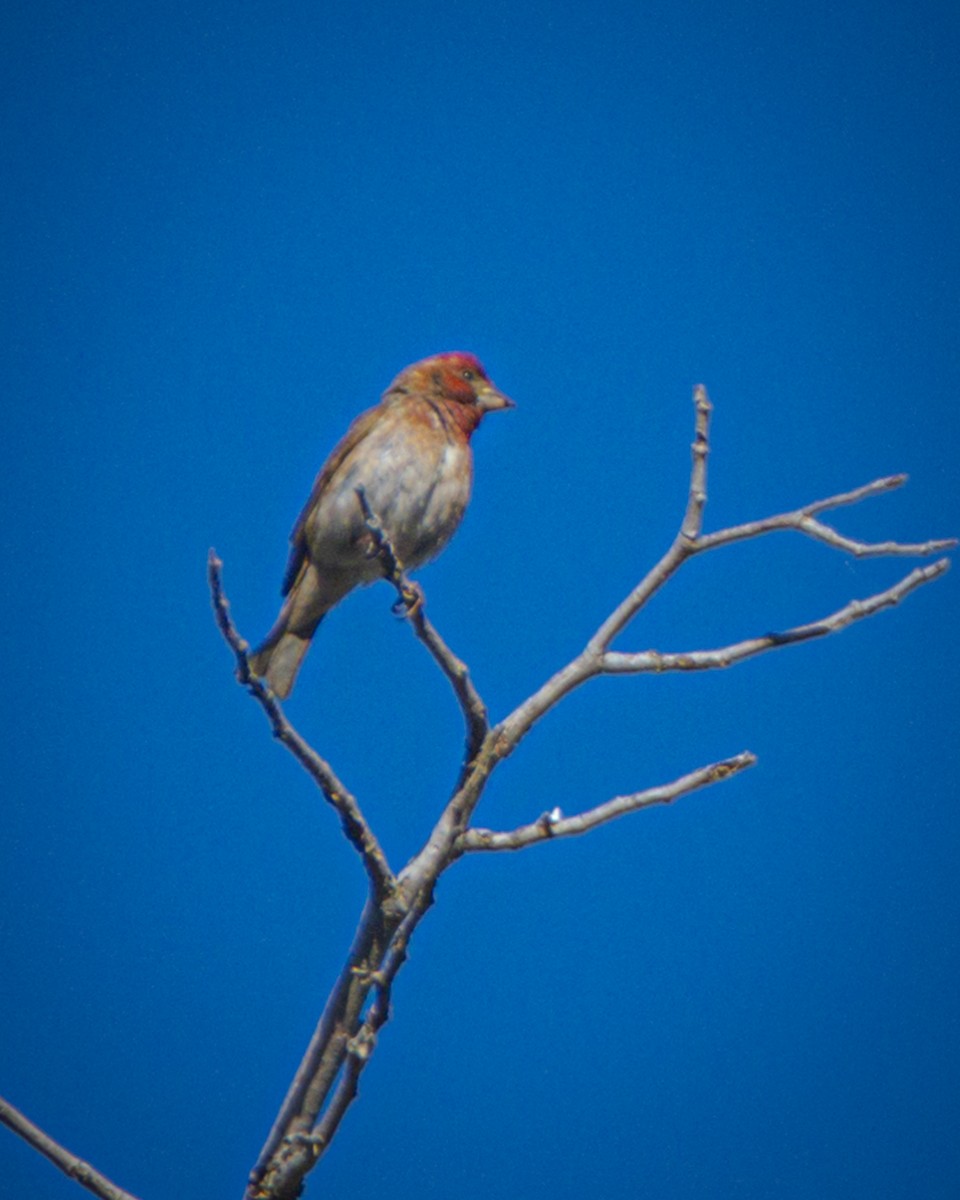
[358,430]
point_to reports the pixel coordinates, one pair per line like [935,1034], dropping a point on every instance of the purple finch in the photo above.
[411,456]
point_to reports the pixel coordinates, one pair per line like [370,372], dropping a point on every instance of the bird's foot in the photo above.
[411,600]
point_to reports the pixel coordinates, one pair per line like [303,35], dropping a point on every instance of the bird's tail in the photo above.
[278,659]
[308,599]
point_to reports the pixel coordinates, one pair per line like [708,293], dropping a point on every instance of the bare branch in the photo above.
[686,541]
[359,1050]
[289,1151]
[589,662]
[555,825]
[341,1045]
[889,483]
[697,498]
[354,823]
[829,536]
[648,661]
[412,601]
[362,1045]
[596,657]
[327,1080]
[804,521]
[68,1163]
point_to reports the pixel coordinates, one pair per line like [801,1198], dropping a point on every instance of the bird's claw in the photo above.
[410,602]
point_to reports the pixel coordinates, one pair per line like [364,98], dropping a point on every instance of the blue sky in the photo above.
[226,227]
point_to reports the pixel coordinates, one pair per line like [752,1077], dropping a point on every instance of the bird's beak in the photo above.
[489,399]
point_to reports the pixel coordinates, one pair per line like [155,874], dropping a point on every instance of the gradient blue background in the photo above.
[225,228]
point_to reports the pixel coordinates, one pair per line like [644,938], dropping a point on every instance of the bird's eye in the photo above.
[468,374]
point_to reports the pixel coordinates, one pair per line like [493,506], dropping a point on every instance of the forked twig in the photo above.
[803,520]
[597,659]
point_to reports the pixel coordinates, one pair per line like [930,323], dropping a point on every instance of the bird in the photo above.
[410,455]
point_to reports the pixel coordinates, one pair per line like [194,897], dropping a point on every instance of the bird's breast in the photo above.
[417,477]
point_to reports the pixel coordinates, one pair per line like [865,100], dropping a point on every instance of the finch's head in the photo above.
[455,376]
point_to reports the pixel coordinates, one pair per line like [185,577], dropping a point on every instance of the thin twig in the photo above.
[359,1049]
[889,483]
[684,544]
[697,496]
[412,599]
[555,825]
[68,1163]
[354,823]
[803,520]
[651,661]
